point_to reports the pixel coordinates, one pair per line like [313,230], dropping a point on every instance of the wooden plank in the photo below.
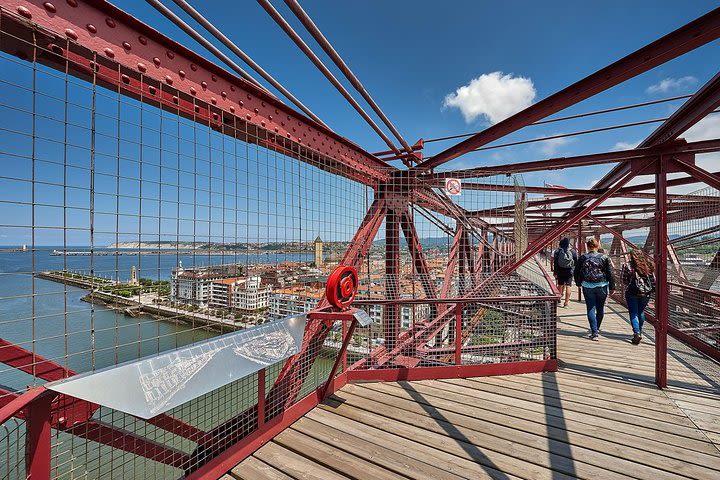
[654,403]
[254,469]
[487,457]
[646,452]
[443,460]
[295,465]
[387,458]
[656,420]
[595,417]
[331,457]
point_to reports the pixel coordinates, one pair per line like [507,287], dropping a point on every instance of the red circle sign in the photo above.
[453,186]
[342,286]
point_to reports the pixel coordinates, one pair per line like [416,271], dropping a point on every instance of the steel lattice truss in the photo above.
[491,309]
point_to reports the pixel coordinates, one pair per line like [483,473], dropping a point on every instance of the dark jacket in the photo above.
[557,268]
[627,273]
[607,269]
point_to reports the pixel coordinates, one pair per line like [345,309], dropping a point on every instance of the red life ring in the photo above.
[342,286]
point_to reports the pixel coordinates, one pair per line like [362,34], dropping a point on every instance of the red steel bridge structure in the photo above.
[494,267]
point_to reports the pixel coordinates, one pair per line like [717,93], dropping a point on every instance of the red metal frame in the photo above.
[106,44]
[688,37]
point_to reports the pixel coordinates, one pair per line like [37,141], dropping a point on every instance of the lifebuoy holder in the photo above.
[342,286]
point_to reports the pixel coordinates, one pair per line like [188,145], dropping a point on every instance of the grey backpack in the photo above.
[565,259]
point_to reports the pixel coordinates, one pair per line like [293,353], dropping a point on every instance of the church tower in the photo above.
[318,252]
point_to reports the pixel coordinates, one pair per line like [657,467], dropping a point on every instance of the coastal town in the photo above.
[232,295]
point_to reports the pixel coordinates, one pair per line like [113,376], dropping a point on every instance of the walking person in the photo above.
[594,273]
[638,277]
[564,261]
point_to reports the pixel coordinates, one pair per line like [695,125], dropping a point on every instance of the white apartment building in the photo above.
[245,294]
[293,300]
[420,311]
[192,286]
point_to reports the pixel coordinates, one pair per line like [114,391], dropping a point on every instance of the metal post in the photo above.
[580,243]
[458,333]
[391,313]
[661,294]
[37,439]
[344,353]
[341,354]
[261,398]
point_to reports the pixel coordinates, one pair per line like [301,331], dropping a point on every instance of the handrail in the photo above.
[10,409]
[694,288]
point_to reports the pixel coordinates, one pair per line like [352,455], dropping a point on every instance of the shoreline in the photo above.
[132,307]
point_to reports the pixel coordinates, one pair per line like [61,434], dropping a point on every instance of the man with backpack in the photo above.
[564,260]
[594,272]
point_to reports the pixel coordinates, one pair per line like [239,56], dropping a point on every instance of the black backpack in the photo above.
[642,285]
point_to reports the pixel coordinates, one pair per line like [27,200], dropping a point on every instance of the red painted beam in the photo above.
[688,37]
[703,146]
[32,363]
[133,58]
[416,253]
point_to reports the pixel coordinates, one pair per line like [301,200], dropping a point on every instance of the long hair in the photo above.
[642,262]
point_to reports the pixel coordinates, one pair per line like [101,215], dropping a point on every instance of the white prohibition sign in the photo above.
[453,186]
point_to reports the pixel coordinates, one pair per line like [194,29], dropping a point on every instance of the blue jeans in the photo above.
[595,303]
[636,309]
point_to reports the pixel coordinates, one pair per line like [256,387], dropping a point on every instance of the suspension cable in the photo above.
[572,134]
[570,117]
[302,15]
[245,58]
[282,23]
[170,15]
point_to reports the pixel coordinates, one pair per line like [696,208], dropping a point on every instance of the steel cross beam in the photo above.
[688,37]
[95,38]
[692,111]
[653,151]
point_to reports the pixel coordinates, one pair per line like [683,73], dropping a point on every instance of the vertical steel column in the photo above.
[261,398]
[37,438]
[661,294]
[391,312]
[458,333]
[580,244]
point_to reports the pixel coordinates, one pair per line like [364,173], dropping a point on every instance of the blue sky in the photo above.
[410,55]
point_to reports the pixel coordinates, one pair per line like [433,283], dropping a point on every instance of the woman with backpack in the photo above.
[564,261]
[638,276]
[594,273]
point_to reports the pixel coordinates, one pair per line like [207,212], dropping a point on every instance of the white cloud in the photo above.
[492,95]
[551,146]
[671,85]
[706,129]
[625,145]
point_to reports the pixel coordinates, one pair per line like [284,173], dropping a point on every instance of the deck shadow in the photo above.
[564,449]
[452,431]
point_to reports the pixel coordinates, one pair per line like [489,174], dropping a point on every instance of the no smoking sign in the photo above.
[453,186]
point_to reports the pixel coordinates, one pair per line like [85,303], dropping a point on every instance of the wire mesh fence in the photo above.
[135,222]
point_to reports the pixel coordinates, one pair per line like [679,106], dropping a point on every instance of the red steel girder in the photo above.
[686,38]
[415,248]
[131,57]
[391,313]
[692,111]
[703,146]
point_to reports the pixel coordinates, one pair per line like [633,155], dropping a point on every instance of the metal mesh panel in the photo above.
[132,226]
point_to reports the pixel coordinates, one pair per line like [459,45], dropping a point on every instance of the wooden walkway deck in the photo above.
[599,417]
